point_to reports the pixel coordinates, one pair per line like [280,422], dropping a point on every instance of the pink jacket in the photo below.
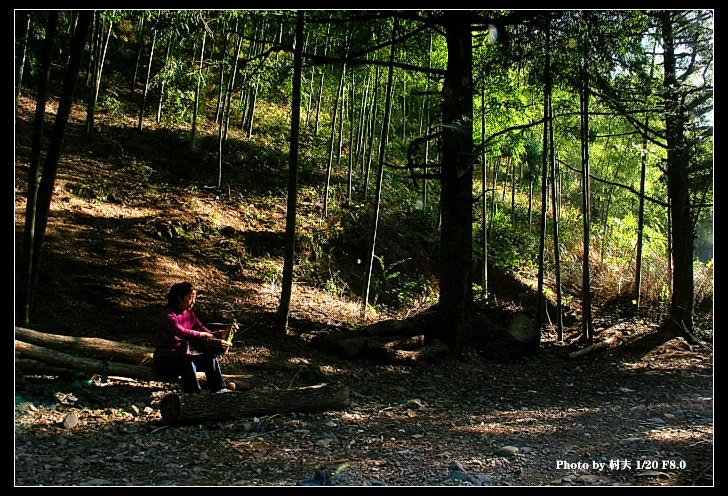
[176,327]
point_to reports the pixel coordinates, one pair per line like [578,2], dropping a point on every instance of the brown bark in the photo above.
[202,407]
[85,364]
[456,197]
[677,167]
[98,348]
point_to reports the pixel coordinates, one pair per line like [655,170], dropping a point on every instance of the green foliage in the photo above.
[508,85]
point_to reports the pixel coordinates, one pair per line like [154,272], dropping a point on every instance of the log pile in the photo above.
[393,341]
[39,352]
[49,354]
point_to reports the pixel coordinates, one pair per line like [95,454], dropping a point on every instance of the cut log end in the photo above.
[170,406]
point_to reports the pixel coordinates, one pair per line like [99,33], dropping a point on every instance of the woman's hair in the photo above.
[178,291]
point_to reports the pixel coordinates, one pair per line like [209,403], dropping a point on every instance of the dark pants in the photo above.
[187,366]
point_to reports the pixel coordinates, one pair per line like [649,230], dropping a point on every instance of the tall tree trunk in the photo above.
[484,198]
[372,120]
[250,119]
[587,329]
[541,298]
[362,128]
[334,115]
[678,188]
[140,36]
[309,103]
[99,56]
[50,167]
[143,105]
[641,214]
[380,175]
[640,225]
[26,257]
[556,209]
[226,98]
[352,133]
[162,85]
[289,248]
[456,201]
[221,83]
[428,123]
[195,108]
[20,61]
[514,185]
[321,85]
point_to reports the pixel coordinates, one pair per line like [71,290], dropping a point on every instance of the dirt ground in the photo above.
[546,420]
[119,236]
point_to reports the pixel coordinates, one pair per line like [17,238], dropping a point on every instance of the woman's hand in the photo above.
[206,335]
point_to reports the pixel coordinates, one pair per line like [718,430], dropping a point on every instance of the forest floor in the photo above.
[118,237]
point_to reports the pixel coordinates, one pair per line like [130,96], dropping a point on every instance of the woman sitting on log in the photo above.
[173,356]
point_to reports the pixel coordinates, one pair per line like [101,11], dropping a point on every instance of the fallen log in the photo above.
[594,347]
[102,349]
[106,368]
[180,408]
[28,366]
[426,352]
[395,348]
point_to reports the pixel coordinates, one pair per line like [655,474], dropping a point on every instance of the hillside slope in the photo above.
[133,213]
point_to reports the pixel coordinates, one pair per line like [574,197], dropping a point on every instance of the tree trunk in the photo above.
[352,118]
[146,80]
[226,98]
[160,100]
[334,114]
[380,176]
[556,213]
[50,168]
[371,128]
[290,240]
[321,85]
[484,199]
[195,108]
[678,189]
[588,331]
[641,214]
[24,294]
[203,407]
[140,36]
[541,298]
[25,19]
[640,226]
[99,47]
[457,186]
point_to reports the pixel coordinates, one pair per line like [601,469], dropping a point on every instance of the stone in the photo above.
[70,421]
[507,451]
